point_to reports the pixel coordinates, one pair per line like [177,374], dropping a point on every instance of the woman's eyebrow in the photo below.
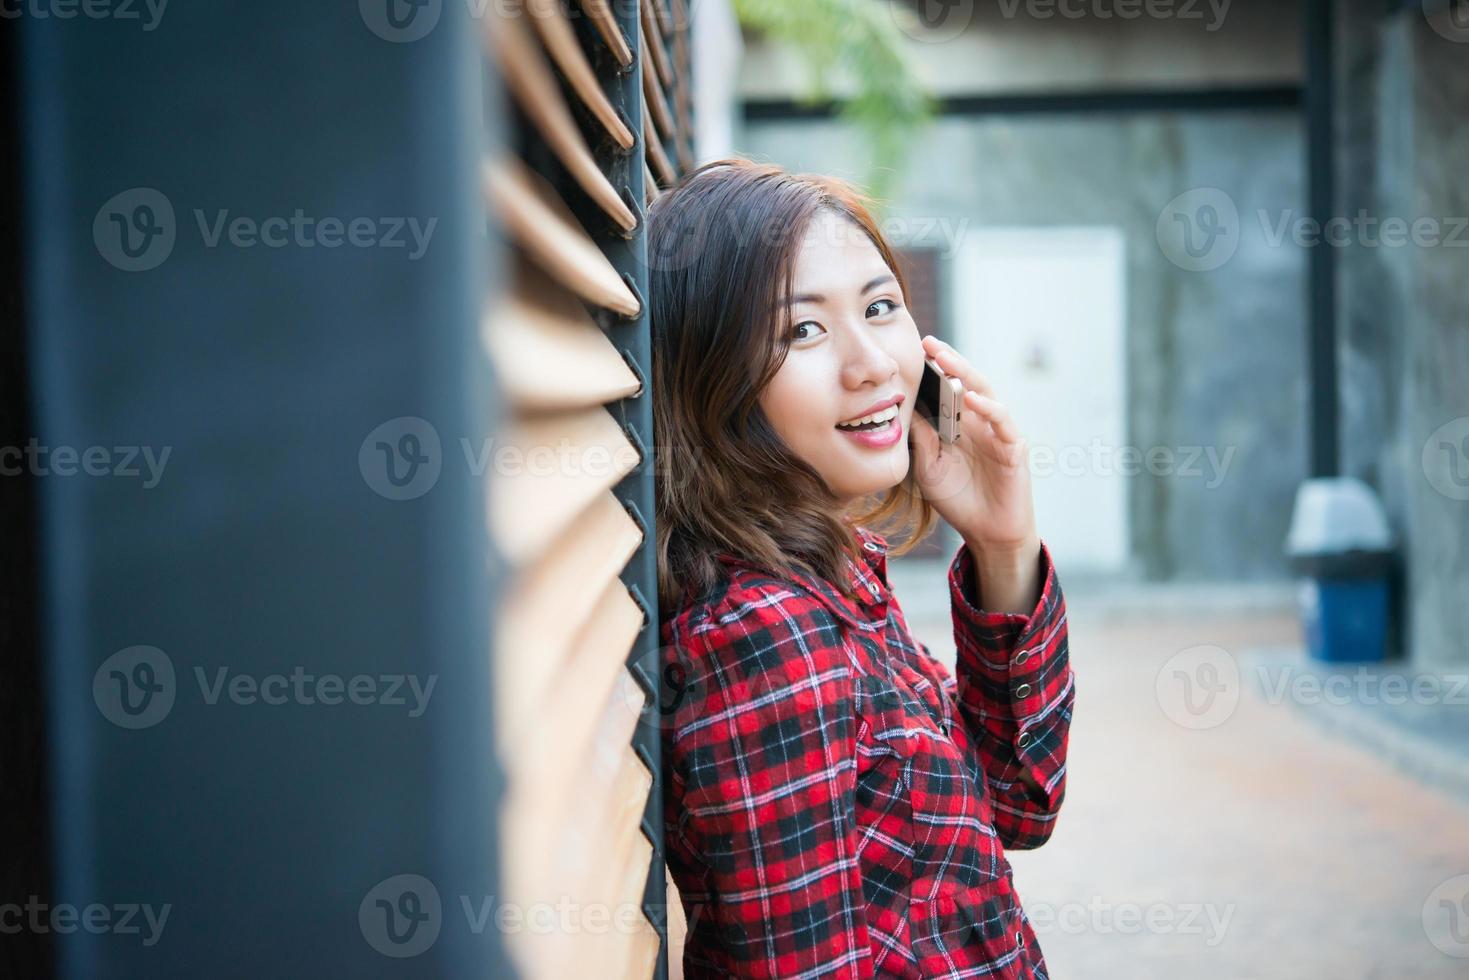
[871,285]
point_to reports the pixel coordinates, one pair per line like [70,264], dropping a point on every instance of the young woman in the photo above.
[838,804]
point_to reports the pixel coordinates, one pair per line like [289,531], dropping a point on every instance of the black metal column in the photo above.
[261,362]
[1317,24]
[633,338]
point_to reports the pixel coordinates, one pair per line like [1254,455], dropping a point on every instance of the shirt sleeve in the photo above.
[1015,690]
[766,750]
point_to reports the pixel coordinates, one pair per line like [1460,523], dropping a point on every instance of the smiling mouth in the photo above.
[869,423]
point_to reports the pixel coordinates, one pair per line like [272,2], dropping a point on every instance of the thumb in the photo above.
[942,474]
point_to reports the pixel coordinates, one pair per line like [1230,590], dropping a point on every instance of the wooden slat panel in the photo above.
[660,10]
[551,601]
[530,79]
[541,224]
[566,715]
[676,924]
[589,782]
[549,18]
[591,956]
[643,957]
[547,350]
[650,184]
[601,16]
[544,843]
[653,41]
[563,463]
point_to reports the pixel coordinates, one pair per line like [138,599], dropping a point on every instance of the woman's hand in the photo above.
[981,486]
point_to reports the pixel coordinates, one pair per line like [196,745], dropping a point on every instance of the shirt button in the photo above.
[1022,691]
[1020,938]
[1023,740]
[870,545]
[1022,657]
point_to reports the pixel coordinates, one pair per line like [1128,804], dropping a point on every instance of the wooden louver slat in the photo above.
[561,464]
[544,325]
[560,40]
[650,184]
[550,602]
[565,716]
[657,158]
[653,50]
[655,100]
[545,228]
[588,856]
[530,78]
[598,783]
[606,24]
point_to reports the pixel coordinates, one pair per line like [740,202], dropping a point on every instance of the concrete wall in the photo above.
[1215,358]
[1404,343]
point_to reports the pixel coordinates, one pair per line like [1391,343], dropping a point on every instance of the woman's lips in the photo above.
[880,438]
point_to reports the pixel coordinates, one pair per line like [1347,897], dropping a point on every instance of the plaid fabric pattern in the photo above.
[838,804]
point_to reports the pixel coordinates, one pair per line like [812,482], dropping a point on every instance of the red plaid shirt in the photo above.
[839,805]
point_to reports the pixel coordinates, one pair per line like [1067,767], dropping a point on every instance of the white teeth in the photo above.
[891,412]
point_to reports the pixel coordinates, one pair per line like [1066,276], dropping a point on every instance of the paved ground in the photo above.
[1230,834]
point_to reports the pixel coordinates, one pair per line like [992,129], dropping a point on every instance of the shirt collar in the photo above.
[869,577]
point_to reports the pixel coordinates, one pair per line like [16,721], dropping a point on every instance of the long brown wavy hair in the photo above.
[722,247]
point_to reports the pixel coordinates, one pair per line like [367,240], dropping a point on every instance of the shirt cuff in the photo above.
[998,638]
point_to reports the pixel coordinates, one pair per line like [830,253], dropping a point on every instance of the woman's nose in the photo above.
[865,360]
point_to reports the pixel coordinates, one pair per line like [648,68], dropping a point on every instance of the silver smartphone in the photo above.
[940,398]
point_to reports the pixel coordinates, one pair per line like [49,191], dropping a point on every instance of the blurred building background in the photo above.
[1207,252]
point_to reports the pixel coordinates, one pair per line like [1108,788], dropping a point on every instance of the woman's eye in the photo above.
[796,330]
[891,306]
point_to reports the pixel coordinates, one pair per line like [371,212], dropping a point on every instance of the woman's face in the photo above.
[854,351]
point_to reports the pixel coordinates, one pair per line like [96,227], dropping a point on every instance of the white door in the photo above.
[1041,312]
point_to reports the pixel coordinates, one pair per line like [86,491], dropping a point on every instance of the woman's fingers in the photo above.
[958,365]
[997,415]
[1000,440]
